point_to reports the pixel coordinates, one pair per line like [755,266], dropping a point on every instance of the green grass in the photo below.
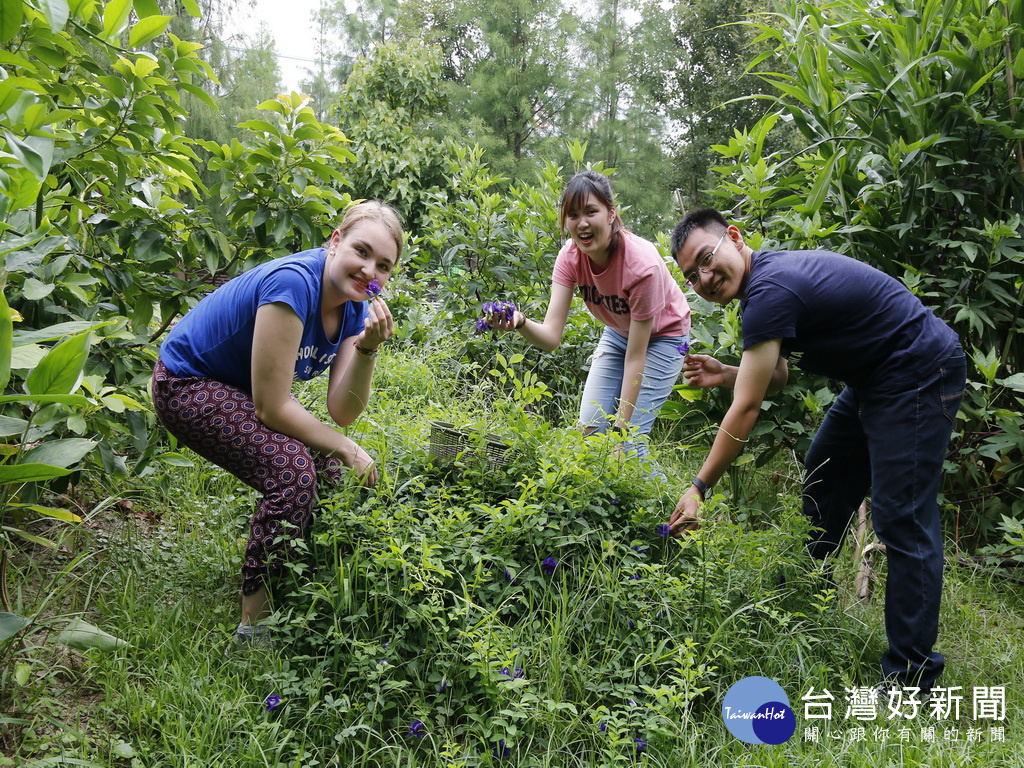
[400,611]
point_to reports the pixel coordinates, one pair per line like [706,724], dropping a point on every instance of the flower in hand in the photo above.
[373,289]
[504,309]
[684,348]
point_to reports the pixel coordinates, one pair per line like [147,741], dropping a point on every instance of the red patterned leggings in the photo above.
[218,421]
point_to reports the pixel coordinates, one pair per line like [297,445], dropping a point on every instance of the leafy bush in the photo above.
[914,150]
[534,605]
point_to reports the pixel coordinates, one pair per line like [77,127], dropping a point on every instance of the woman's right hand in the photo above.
[704,371]
[364,467]
[500,322]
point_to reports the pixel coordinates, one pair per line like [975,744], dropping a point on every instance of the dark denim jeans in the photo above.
[893,444]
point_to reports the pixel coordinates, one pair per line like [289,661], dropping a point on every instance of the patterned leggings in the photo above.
[218,421]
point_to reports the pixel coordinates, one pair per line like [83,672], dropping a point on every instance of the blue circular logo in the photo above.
[756,710]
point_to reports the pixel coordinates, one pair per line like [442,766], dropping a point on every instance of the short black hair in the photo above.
[708,219]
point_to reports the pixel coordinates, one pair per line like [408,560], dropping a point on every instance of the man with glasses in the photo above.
[904,374]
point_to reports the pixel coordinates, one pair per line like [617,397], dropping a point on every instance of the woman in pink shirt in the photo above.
[626,285]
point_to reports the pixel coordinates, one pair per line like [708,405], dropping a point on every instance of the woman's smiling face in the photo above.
[590,226]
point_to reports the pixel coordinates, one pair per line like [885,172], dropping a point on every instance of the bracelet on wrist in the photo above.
[701,486]
[520,325]
[364,351]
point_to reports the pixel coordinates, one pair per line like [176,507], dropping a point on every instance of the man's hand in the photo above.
[704,371]
[684,518]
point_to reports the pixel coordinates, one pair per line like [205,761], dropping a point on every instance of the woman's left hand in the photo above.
[380,326]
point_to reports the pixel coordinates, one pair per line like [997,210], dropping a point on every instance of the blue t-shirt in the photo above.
[841,318]
[214,339]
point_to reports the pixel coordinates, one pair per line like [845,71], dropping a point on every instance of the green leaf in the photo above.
[30,473]
[60,453]
[56,12]
[199,93]
[26,356]
[144,8]
[192,7]
[65,399]
[60,372]
[21,673]
[28,156]
[1013,382]
[29,537]
[35,290]
[11,624]
[147,29]
[84,636]
[59,331]
[6,341]
[115,17]
[11,14]
[54,512]
[12,426]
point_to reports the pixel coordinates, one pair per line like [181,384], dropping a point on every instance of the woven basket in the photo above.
[448,444]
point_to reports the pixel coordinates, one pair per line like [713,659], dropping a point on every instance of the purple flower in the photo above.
[641,550]
[549,565]
[663,530]
[382,662]
[684,348]
[635,577]
[482,325]
[443,686]
[501,749]
[417,729]
[641,745]
[373,289]
[602,727]
[616,502]
[510,578]
[273,702]
[631,624]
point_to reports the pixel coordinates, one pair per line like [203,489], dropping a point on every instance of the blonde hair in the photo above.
[374,210]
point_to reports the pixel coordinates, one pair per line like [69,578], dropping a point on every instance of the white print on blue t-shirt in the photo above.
[311,352]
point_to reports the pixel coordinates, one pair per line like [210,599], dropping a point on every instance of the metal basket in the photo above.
[448,444]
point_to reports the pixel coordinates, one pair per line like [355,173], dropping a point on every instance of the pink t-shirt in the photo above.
[636,285]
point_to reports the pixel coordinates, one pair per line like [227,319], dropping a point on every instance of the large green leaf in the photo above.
[54,332]
[6,342]
[11,426]
[84,636]
[147,29]
[66,399]
[115,17]
[11,14]
[60,372]
[11,624]
[56,12]
[144,8]
[57,513]
[29,473]
[60,453]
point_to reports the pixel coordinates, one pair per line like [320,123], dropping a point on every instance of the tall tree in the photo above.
[711,49]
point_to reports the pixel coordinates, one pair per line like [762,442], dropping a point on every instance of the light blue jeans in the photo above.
[604,385]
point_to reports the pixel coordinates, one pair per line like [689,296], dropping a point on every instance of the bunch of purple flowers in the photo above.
[504,308]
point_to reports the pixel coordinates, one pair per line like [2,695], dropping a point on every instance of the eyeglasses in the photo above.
[704,265]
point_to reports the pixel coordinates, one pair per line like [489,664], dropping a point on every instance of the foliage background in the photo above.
[137,168]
